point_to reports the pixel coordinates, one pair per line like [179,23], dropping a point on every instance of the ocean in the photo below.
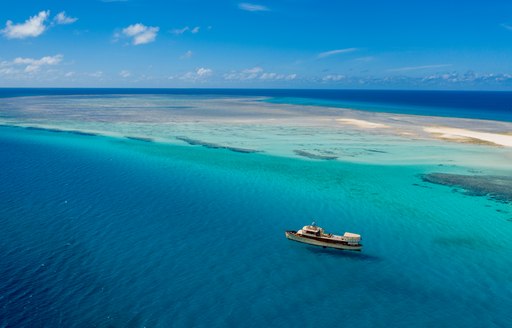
[99,230]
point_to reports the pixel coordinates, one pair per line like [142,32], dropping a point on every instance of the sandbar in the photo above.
[464,135]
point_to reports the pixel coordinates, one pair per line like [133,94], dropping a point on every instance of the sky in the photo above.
[257,44]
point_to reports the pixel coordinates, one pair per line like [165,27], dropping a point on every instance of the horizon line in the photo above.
[228,88]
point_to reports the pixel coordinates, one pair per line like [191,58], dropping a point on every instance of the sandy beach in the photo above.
[361,123]
[470,136]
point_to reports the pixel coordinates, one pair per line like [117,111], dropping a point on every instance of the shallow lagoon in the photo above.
[251,123]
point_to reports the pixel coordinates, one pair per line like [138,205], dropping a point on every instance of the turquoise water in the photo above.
[110,232]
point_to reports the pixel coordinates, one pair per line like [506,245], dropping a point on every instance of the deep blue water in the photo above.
[492,105]
[99,232]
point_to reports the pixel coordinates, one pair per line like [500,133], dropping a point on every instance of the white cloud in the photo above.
[415,68]
[333,78]
[268,76]
[8,71]
[134,29]
[252,7]
[231,76]
[187,55]
[32,27]
[253,70]
[507,26]
[180,31]
[246,74]
[33,65]
[204,72]
[22,67]
[276,77]
[437,80]
[141,34]
[257,73]
[32,68]
[62,19]
[199,75]
[97,74]
[125,74]
[468,78]
[336,52]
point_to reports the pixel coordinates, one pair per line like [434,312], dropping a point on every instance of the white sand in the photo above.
[361,123]
[461,134]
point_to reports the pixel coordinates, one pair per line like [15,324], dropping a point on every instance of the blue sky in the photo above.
[257,44]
